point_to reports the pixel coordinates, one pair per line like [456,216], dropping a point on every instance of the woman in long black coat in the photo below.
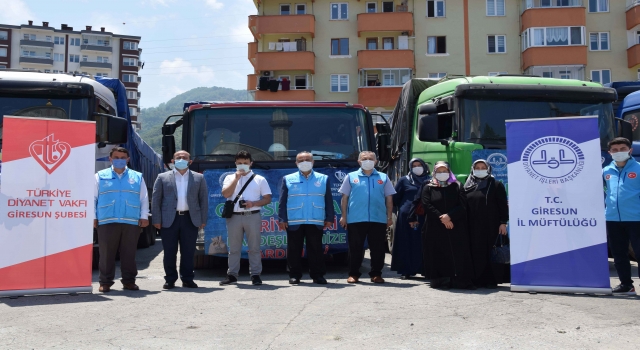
[406,258]
[446,241]
[488,214]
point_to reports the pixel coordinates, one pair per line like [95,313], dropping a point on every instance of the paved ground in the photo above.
[397,315]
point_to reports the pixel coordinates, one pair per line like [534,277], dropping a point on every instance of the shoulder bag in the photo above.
[501,252]
[227,212]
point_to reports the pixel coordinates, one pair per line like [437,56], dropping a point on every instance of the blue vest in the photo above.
[622,199]
[305,201]
[118,198]
[367,200]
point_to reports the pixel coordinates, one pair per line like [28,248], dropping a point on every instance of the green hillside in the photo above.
[152,118]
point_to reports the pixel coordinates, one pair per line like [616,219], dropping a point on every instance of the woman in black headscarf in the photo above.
[487,213]
[406,257]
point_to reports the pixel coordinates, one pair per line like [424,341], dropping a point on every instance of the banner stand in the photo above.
[548,289]
[47,291]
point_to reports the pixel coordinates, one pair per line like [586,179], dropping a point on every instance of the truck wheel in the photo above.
[390,234]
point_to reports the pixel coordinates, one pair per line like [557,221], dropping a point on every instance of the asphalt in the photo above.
[400,314]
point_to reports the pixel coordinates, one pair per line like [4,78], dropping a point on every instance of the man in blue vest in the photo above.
[366,204]
[622,209]
[306,209]
[122,208]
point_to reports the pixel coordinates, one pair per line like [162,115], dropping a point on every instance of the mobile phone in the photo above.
[242,203]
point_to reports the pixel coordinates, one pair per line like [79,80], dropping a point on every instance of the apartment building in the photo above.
[361,51]
[88,51]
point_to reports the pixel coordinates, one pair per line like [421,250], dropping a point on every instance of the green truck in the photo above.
[460,119]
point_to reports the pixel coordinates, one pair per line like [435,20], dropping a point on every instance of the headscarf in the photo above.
[475,183]
[434,182]
[415,179]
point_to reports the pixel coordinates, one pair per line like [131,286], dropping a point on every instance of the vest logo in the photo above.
[607,177]
[498,161]
[340,175]
[380,182]
[49,152]
[132,181]
[355,181]
[632,175]
[553,160]
[317,184]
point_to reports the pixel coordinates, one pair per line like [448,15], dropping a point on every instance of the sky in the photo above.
[185,43]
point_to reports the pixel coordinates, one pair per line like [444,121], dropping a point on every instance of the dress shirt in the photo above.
[182,184]
[144,196]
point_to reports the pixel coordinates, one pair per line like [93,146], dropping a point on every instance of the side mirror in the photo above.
[111,129]
[427,108]
[625,129]
[428,128]
[383,142]
[168,148]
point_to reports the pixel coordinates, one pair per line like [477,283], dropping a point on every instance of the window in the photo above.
[301,44]
[372,43]
[129,62]
[129,78]
[74,58]
[598,5]
[58,57]
[29,37]
[48,38]
[387,6]
[4,35]
[300,82]
[132,94]
[599,41]
[387,43]
[285,9]
[340,47]
[372,7]
[103,75]
[133,111]
[437,75]
[565,74]
[436,45]
[601,76]
[74,41]
[55,71]
[339,82]
[497,44]
[638,74]
[130,45]
[553,36]
[3,52]
[103,59]
[340,10]
[435,8]
[301,9]
[493,74]
[58,40]
[495,8]
[85,58]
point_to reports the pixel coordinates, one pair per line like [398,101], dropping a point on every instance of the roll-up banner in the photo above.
[47,208]
[556,207]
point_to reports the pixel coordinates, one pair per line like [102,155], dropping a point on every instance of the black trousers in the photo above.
[376,235]
[182,232]
[619,234]
[312,234]
[112,237]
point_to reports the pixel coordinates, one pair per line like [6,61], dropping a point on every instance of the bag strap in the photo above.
[499,238]
[243,188]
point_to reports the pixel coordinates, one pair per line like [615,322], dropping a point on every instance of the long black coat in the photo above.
[486,209]
[446,251]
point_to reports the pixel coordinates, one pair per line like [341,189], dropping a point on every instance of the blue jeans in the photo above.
[619,234]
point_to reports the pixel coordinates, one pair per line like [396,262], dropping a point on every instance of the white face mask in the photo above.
[305,166]
[418,170]
[367,164]
[243,167]
[620,156]
[442,177]
[480,173]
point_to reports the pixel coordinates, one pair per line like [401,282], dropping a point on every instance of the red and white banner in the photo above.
[46,206]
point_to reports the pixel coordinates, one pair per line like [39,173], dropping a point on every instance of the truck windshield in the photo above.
[272,134]
[633,117]
[484,120]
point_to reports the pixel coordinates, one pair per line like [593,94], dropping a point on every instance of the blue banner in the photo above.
[274,241]
[556,210]
[497,158]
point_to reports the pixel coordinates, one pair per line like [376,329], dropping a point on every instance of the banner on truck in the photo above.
[556,208]
[46,216]
[274,241]
[497,158]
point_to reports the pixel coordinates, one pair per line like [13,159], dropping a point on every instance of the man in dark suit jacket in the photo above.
[179,208]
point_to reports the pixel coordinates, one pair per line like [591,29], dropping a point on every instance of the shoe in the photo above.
[104,288]
[168,285]
[131,286]
[352,279]
[405,277]
[230,280]
[255,280]
[294,280]
[189,284]
[320,280]
[377,279]
[624,290]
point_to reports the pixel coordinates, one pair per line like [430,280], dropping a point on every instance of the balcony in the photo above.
[558,72]
[298,60]
[96,46]
[379,96]
[633,15]
[291,95]
[534,4]
[36,43]
[139,79]
[385,59]
[553,17]
[554,56]
[252,82]
[633,56]
[293,24]
[252,52]
[385,22]
[95,64]
[36,60]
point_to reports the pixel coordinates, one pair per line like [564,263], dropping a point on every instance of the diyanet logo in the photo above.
[340,175]
[498,161]
[553,160]
[49,153]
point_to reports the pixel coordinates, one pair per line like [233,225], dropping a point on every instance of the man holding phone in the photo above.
[246,217]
